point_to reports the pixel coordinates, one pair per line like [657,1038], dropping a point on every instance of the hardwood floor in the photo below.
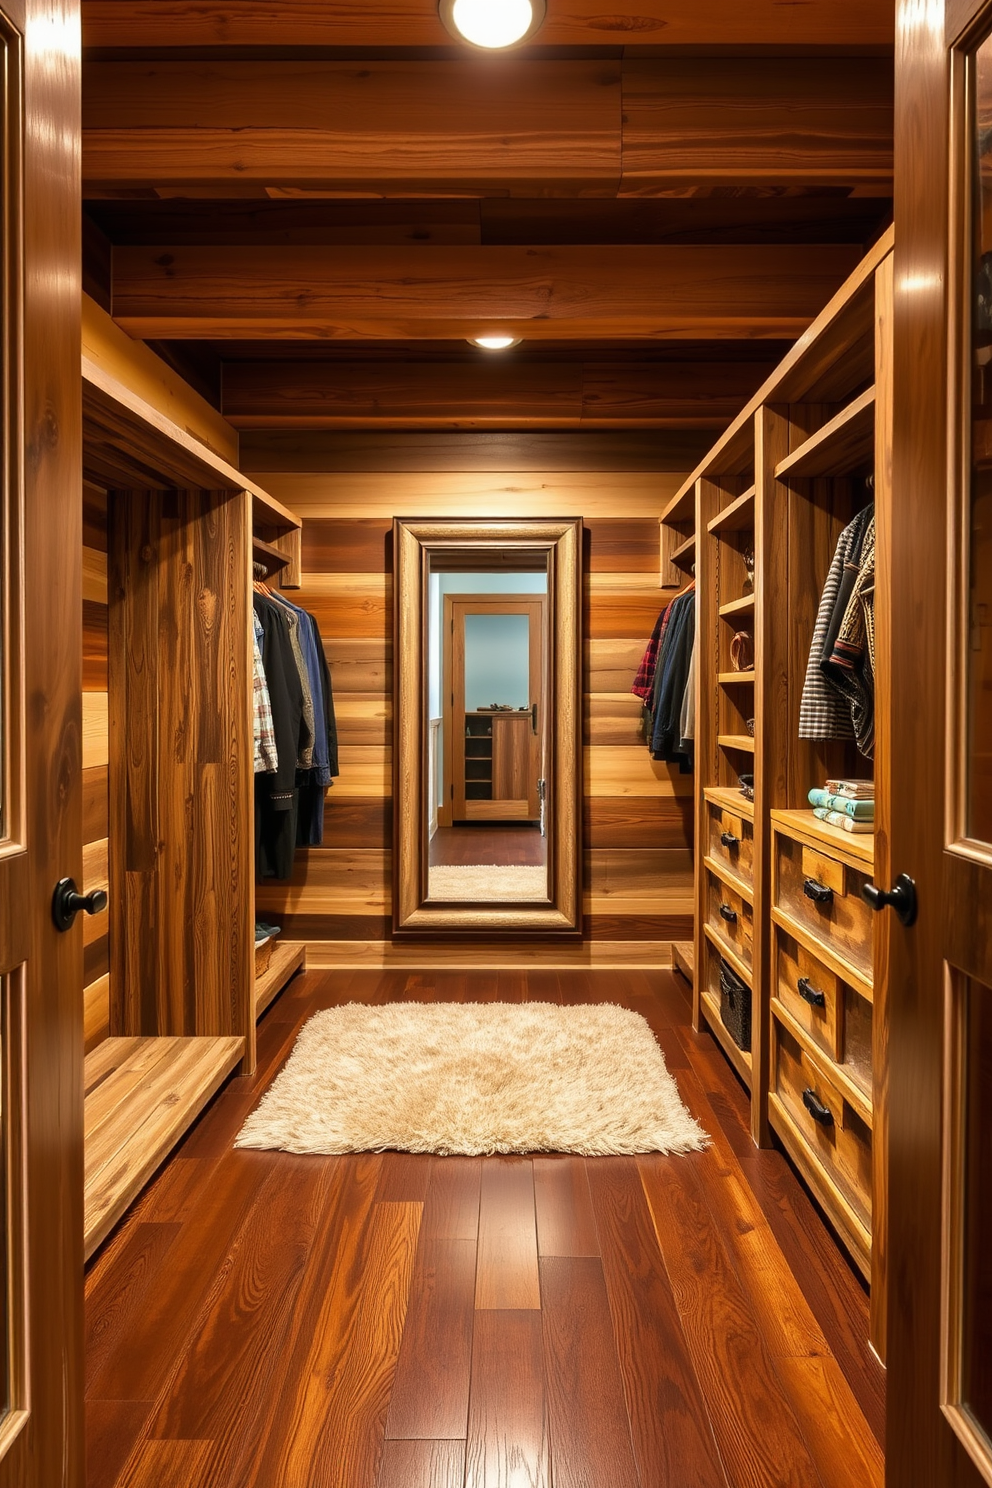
[397,1321]
[510,845]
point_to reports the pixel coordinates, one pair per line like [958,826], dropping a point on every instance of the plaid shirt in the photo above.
[266,756]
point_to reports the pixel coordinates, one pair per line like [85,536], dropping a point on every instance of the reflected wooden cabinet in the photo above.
[501,767]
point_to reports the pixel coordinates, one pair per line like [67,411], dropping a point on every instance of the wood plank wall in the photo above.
[638,813]
[96,930]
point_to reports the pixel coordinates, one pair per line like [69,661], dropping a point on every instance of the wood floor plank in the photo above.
[249,1310]
[760,1441]
[673,1443]
[508,1278]
[320,1331]
[137,1369]
[587,1413]
[508,1430]
[404,1178]
[422,1464]
[451,1209]
[165,1464]
[566,1224]
[433,1374]
[339,1433]
[115,1293]
[112,1428]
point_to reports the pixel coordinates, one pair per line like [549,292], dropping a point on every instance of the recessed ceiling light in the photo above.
[495,343]
[492,24]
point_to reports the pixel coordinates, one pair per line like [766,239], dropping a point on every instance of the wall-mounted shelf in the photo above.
[684,556]
[735,679]
[743,742]
[843,444]
[742,606]
[272,557]
[737,517]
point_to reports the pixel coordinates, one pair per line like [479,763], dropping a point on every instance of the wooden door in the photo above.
[41,1005]
[495,761]
[934,595]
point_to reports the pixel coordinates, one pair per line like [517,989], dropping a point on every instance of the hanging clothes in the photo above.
[850,665]
[825,709]
[276,800]
[671,678]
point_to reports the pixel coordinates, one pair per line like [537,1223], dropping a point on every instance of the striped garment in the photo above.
[824,712]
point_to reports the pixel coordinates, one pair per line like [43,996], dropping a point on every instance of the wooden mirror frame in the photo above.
[415,542]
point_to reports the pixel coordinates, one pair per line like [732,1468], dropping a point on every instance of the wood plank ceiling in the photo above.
[309,207]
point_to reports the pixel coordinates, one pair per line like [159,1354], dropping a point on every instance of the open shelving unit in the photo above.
[804,456]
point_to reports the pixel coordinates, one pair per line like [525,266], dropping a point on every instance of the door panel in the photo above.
[41,1039]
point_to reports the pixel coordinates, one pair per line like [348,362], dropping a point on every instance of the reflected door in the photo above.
[494,706]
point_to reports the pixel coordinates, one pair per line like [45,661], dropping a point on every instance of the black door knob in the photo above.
[901,897]
[67,903]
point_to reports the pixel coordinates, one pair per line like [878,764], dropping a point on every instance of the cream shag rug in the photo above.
[474,1078]
[487,881]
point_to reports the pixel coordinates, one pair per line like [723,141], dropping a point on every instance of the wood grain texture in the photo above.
[507,1277]
[760,120]
[590,1435]
[396,127]
[566,1224]
[510,394]
[297,292]
[163,23]
[430,1394]
[508,1427]
[422,1464]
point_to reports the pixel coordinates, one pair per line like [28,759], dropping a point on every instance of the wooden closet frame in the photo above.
[812,421]
[186,530]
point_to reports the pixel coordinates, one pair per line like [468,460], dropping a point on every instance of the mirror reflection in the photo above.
[487,720]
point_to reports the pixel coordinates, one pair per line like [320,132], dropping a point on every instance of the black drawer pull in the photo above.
[730,842]
[728,914]
[817,1109]
[809,993]
[819,893]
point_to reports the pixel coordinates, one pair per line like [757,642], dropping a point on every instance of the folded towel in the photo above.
[852,790]
[840,819]
[859,810]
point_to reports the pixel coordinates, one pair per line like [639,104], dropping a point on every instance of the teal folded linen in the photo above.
[857,810]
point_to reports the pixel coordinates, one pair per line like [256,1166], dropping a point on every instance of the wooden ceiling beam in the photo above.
[491,393]
[525,127]
[540,293]
[390,23]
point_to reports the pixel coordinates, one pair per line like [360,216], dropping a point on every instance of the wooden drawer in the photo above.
[731,841]
[836,1017]
[730,915]
[839,1141]
[823,894]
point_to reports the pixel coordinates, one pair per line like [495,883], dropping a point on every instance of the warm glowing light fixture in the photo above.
[495,343]
[492,24]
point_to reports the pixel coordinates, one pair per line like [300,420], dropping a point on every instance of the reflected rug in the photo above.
[474,1078]
[490,881]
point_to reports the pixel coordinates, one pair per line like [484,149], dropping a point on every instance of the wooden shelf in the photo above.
[737,517]
[739,1058]
[682,507]
[730,800]
[858,846]
[142,1094]
[735,679]
[735,607]
[287,960]
[742,742]
[846,442]
[684,556]
[683,958]
[273,559]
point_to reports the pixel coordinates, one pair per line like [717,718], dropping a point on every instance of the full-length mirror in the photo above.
[487,725]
